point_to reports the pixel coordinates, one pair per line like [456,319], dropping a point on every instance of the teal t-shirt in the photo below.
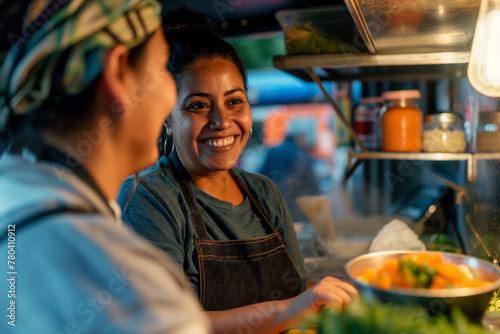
[157,211]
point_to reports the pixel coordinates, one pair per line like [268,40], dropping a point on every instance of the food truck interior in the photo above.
[379,122]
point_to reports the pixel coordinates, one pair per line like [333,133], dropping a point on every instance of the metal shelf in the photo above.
[366,66]
[385,67]
[394,25]
[471,158]
[376,67]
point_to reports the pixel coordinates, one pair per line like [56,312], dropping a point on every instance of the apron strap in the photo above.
[182,179]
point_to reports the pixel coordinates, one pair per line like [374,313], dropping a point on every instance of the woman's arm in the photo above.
[277,316]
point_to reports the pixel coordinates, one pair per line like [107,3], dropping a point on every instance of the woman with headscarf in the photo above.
[83,92]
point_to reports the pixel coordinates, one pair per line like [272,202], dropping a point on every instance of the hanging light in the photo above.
[484,64]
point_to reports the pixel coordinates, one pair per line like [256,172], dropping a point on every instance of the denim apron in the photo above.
[236,273]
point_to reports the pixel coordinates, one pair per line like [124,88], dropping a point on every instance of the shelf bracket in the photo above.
[471,168]
[460,191]
[351,167]
[338,111]
[342,118]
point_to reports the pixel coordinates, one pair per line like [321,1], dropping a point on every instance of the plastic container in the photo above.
[327,29]
[488,132]
[444,133]
[365,121]
[401,121]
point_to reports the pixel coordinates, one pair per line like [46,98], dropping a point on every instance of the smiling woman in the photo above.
[214,120]
[225,227]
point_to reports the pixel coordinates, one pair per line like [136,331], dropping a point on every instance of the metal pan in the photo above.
[472,301]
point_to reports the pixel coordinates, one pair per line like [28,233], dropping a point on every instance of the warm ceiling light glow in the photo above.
[484,64]
[441,10]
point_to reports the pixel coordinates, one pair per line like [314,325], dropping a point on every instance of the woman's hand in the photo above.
[330,292]
[279,315]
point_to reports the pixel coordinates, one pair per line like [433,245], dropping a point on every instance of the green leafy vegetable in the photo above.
[440,242]
[367,318]
[421,275]
[494,305]
[303,39]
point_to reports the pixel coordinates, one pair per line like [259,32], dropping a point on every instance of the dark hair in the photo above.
[191,39]
[60,114]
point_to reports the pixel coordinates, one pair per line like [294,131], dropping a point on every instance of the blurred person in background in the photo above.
[229,230]
[84,90]
[290,166]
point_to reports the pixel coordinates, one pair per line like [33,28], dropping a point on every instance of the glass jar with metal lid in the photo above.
[488,132]
[444,133]
[401,121]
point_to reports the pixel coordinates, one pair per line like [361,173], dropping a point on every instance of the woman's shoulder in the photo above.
[157,180]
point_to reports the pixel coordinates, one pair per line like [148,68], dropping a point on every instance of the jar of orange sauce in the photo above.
[401,121]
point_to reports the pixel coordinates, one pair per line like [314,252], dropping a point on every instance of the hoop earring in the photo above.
[250,137]
[168,153]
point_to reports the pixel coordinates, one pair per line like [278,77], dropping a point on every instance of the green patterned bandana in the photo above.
[66,42]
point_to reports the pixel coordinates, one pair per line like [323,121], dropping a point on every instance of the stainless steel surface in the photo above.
[361,24]
[482,212]
[417,156]
[411,26]
[490,117]
[353,60]
[480,240]
[411,156]
[471,158]
[486,156]
[373,67]
[488,132]
[444,118]
[473,301]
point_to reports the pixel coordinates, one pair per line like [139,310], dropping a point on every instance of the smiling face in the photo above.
[211,121]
